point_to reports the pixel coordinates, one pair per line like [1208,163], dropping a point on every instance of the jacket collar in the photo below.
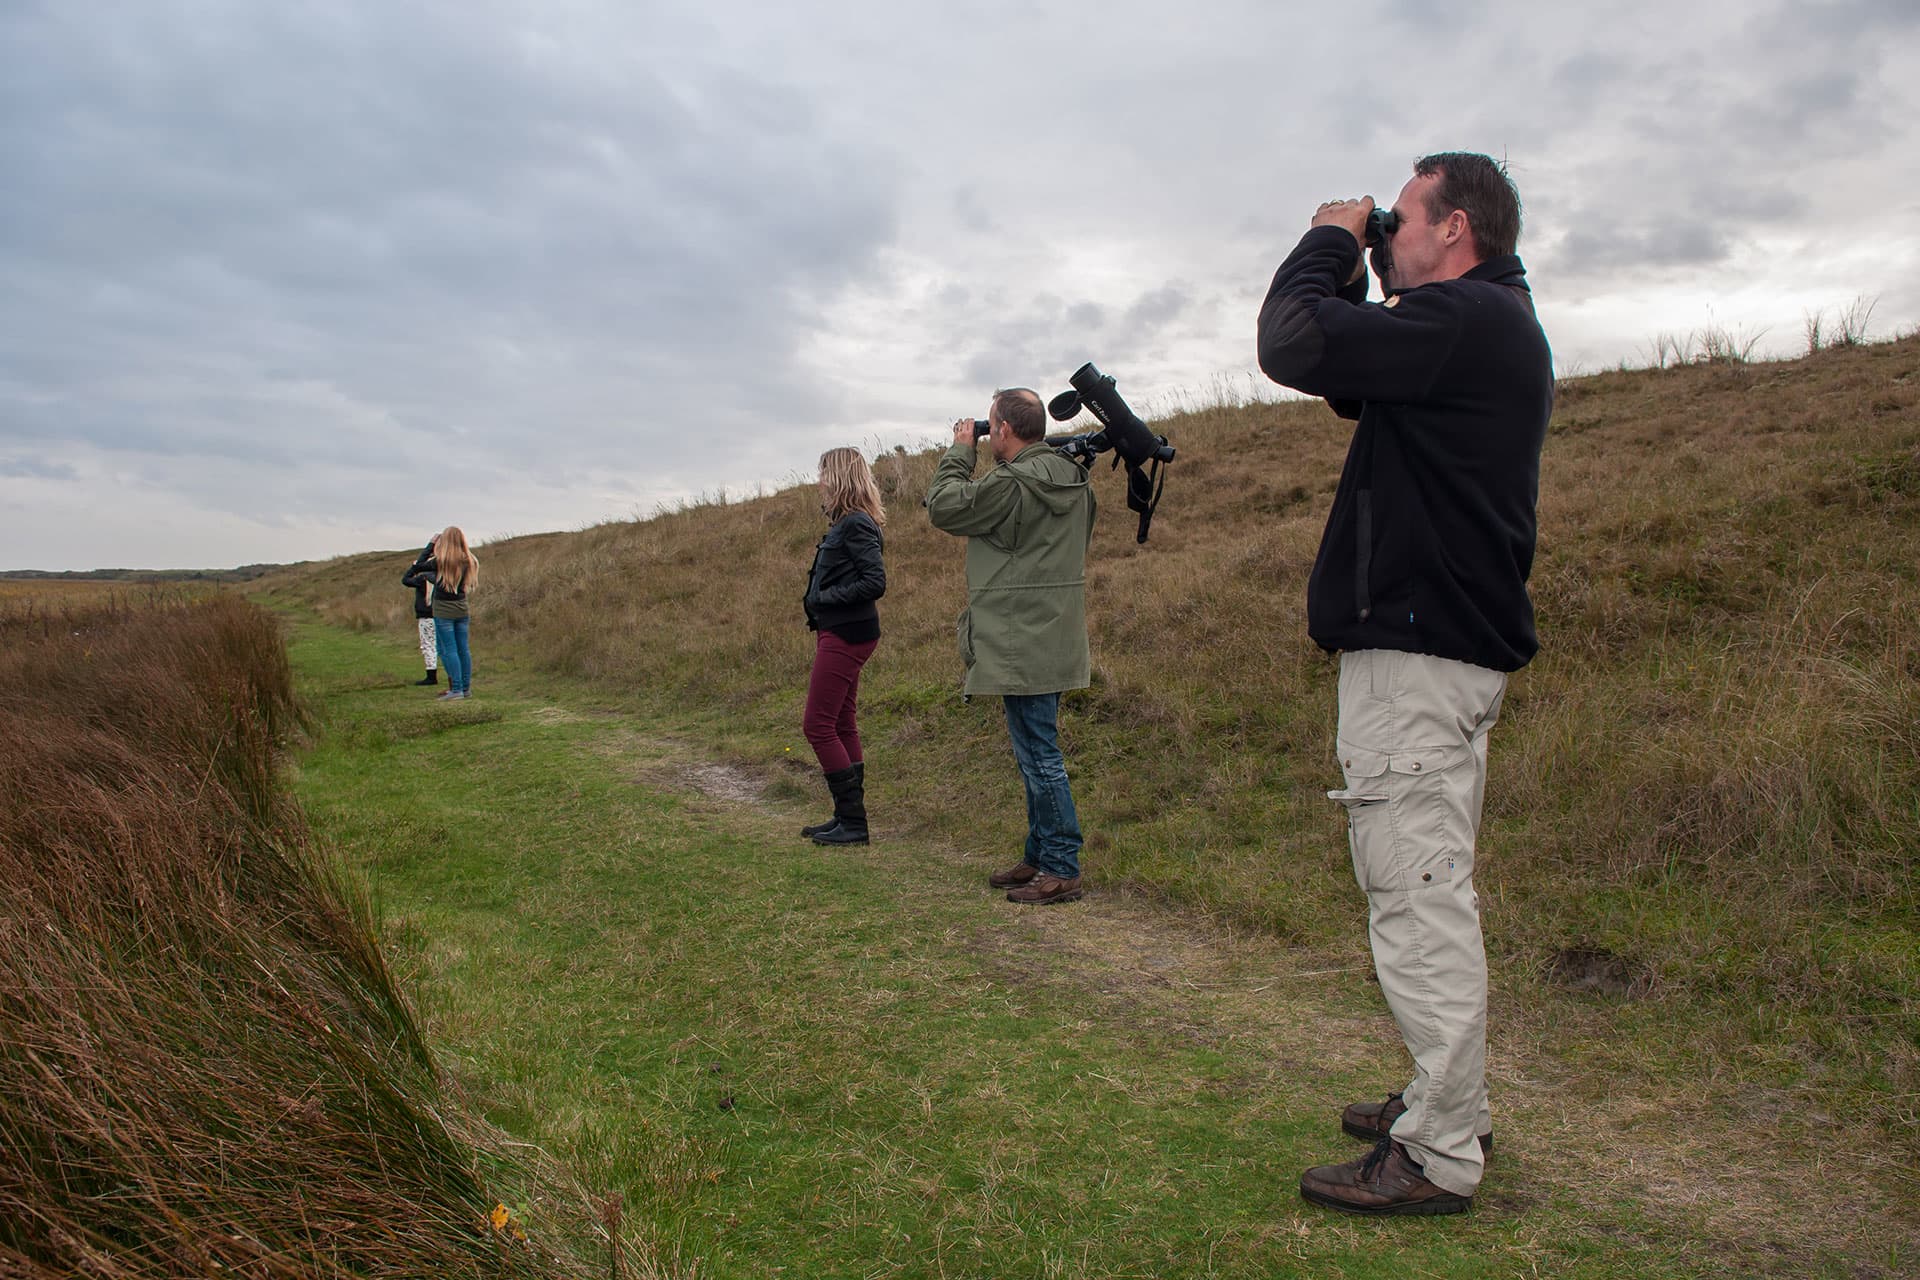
[1505,269]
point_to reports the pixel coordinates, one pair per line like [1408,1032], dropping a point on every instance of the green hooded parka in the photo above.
[1027,523]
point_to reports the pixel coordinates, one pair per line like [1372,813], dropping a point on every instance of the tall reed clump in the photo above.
[204,1063]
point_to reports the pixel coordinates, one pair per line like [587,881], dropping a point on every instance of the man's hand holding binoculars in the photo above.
[1353,215]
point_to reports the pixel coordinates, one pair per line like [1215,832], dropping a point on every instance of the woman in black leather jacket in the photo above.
[849,573]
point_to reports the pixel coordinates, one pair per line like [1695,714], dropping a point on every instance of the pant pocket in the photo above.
[1366,800]
[1432,795]
[1407,816]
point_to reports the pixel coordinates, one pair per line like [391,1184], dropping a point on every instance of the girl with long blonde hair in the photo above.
[849,574]
[454,572]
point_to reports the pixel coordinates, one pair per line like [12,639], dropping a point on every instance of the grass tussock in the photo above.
[205,1066]
[1710,777]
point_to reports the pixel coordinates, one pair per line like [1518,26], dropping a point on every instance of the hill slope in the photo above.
[1705,793]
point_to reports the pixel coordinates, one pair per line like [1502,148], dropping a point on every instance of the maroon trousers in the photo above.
[831,692]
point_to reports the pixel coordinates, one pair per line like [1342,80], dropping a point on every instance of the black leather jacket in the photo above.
[848,574]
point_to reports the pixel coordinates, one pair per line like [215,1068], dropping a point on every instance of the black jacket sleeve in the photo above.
[1319,335]
[866,578]
[419,573]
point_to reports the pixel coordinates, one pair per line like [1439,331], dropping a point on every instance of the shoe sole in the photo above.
[1431,1208]
[1353,1130]
[1058,898]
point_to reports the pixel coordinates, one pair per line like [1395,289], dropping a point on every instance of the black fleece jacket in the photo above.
[849,573]
[1431,536]
[419,577]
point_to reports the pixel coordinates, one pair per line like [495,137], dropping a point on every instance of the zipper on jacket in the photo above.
[1363,553]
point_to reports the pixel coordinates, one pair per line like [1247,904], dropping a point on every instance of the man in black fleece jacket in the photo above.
[1421,586]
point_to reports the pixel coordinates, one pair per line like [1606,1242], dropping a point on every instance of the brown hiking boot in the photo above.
[1045,889]
[1384,1181]
[1017,874]
[1374,1121]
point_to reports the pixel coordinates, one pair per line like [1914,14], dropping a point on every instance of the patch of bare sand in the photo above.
[724,782]
[676,766]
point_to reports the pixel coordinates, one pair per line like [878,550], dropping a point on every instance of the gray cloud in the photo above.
[275,272]
[36,469]
[1051,330]
[414,233]
[1609,248]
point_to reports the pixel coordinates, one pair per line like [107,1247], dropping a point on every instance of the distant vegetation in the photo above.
[205,1067]
[245,573]
[1705,793]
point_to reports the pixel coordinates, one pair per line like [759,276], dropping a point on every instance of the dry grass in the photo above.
[204,1064]
[1710,778]
[50,596]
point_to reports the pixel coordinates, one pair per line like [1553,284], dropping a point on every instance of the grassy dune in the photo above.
[1707,788]
[1697,869]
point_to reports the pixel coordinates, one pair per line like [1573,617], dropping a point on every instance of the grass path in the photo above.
[808,1062]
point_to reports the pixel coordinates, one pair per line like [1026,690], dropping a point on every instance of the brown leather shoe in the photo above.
[1384,1181]
[1018,873]
[1374,1121]
[1045,889]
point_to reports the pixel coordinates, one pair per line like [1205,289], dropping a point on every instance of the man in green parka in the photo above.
[1023,634]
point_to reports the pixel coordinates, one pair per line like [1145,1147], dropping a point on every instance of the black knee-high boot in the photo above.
[849,807]
[860,772]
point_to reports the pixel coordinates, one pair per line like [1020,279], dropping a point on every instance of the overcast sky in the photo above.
[284,279]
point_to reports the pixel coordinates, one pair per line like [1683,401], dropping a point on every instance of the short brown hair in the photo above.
[1480,187]
[1020,409]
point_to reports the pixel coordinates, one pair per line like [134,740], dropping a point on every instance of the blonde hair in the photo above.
[457,568]
[848,485]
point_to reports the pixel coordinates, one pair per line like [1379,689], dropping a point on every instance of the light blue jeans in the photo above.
[1053,828]
[450,636]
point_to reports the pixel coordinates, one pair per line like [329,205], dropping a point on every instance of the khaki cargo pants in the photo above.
[1413,748]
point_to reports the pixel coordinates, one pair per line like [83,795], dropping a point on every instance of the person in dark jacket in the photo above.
[849,573]
[1421,586]
[416,577]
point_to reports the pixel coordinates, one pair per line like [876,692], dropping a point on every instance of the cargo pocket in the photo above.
[963,633]
[1365,774]
[1433,837]
[1366,799]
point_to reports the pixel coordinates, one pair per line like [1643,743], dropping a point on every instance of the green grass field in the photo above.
[793,1061]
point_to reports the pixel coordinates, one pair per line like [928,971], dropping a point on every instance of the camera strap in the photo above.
[1143,494]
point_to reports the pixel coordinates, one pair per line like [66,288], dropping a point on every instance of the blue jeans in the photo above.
[450,636]
[1053,828]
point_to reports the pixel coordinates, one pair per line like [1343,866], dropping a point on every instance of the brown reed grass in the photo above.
[205,1066]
